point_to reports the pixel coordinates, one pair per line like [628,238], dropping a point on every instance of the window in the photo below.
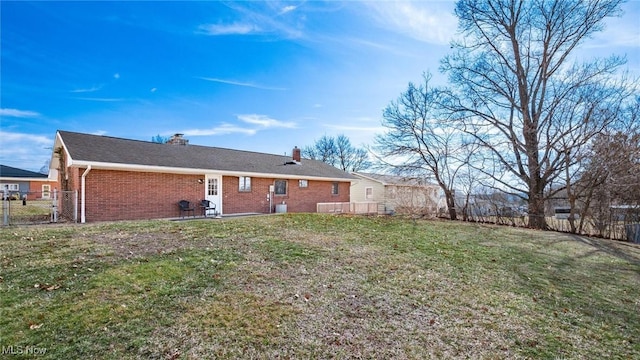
[280,187]
[46,191]
[244,184]
[11,187]
[368,193]
[303,183]
[334,188]
[212,188]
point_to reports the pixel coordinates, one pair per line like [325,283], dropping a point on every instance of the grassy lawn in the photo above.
[315,286]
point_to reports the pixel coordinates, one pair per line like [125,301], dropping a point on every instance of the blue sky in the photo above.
[255,76]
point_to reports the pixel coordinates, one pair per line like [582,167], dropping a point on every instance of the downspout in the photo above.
[83,195]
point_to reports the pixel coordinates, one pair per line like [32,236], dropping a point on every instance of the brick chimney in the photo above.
[178,139]
[296,154]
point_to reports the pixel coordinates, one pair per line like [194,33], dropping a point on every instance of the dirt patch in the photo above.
[126,245]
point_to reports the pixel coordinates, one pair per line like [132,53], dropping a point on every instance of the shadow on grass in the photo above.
[621,250]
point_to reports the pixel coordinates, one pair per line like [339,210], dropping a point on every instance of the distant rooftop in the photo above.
[395,180]
[11,172]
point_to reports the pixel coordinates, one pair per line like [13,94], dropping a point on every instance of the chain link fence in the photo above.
[38,207]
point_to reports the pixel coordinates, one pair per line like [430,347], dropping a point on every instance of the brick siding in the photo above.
[297,199]
[126,195]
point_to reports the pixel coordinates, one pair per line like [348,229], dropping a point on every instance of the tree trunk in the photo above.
[536,209]
[451,204]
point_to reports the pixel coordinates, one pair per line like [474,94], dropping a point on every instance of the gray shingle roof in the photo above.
[11,172]
[105,149]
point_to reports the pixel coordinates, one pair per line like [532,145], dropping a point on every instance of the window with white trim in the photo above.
[368,193]
[11,187]
[244,184]
[335,188]
[303,183]
[280,187]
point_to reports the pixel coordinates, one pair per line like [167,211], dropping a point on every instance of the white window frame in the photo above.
[303,183]
[244,184]
[275,188]
[335,188]
[11,187]
[368,193]
[46,191]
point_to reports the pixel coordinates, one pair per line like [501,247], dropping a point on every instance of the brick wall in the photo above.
[120,195]
[124,195]
[35,188]
[297,199]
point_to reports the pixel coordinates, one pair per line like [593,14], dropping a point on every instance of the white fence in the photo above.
[365,207]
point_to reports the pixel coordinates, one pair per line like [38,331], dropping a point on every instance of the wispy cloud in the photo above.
[265,121]
[240,83]
[25,151]
[99,99]
[88,90]
[430,22]
[18,113]
[229,29]
[287,9]
[18,137]
[222,129]
[258,18]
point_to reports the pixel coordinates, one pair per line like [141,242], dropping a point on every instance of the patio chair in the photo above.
[185,207]
[207,205]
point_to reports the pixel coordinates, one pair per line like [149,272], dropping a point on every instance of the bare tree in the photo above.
[160,139]
[610,182]
[338,152]
[420,139]
[513,76]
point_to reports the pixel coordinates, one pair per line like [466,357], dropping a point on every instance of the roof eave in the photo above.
[193,171]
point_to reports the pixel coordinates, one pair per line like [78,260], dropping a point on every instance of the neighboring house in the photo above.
[397,194]
[122,179]
[19,183]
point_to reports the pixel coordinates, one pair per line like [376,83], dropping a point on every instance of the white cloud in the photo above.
[265,121]
[153,90]
[430,22]
[229,29]
[91,89]
[240,83]
[99,99]
[18,113]
[25,151]
[287,9]
[20,137]
[116,76]
[219,130]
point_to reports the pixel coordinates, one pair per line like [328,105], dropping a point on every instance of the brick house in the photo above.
[123,179]
[19,183]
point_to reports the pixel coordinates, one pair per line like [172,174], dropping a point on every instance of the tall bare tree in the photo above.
[421,140]
[338,152]
[513,74]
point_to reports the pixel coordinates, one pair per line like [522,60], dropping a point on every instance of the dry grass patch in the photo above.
[317,286]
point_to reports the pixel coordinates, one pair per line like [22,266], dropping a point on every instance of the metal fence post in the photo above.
[5,208]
